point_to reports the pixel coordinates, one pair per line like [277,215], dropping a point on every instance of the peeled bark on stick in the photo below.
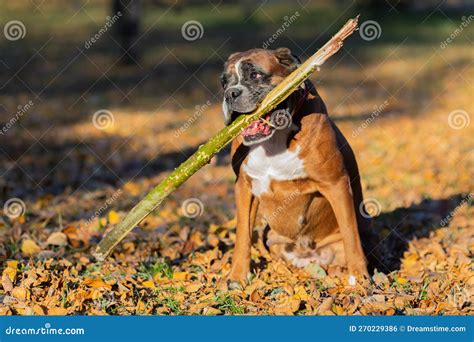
[204,154]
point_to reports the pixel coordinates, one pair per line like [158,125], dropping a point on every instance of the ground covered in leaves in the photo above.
[393,98]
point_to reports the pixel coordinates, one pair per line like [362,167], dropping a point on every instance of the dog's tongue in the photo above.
[256,127]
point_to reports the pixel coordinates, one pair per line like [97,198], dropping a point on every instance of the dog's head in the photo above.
[247,78]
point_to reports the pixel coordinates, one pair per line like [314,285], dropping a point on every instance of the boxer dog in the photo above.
[295,167]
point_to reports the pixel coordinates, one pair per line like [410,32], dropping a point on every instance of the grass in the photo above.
[227,304]
[149,270]
[173,305]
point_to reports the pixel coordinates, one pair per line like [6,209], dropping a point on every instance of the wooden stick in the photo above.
[204,154]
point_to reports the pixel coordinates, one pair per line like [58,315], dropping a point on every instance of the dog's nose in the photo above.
[233,93]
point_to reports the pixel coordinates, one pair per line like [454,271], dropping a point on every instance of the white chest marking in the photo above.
[262,168]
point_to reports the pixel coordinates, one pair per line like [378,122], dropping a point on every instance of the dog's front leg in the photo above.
[246,205]
[339,195]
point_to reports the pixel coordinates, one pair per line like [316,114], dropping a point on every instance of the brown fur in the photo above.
[329,195]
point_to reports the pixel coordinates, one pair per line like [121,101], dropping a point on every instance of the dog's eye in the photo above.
[254,75]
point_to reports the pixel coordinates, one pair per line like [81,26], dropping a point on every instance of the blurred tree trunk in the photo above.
[127,29]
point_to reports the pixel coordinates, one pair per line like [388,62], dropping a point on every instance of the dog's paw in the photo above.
[238,280]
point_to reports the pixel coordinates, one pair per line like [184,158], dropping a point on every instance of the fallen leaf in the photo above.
[11,273]
[97,283]
[6,283]
[148,284]
[57,239]
[20,293]
[57,311]
[114,217]
[402,280]
[38,310]
[180,275]
[12,264]
[29,247]
[326,307]
[210,311]
[132,188]
[191,288]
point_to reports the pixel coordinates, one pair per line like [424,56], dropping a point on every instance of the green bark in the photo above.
[205,152]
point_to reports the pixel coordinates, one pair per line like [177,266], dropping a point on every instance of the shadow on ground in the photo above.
[402,225]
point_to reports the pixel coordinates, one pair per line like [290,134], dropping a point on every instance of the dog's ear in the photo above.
[286,58]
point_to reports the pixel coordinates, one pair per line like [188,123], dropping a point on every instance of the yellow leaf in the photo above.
[193,288]
[140,306]
[132,188]
[230,224]
[38,310]
[12,264]
[213,228]
[148,284]
[57,311]
[94,294]
[158,277]
[410,260]
[129,247]
[180,275]
[11,273]
[5,311]
[300,293]
[97,283]
[338,310]
[29,247]
[20,293]
[402,280]
[114,217]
